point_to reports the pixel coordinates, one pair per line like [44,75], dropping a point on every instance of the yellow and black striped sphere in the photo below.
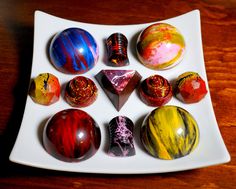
[169,132]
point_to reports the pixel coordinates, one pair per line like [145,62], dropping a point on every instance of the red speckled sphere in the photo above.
[190,87]
[71,135]
[81,92]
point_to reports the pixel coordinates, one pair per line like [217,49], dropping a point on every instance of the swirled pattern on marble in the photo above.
[121,137]
[73,51]
[190,87]
[45,89]
[155,91]
[160,46]
[71,135]
[117,50]
[169,132]
[81,92]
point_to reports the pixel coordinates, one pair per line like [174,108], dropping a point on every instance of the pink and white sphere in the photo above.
[160,46]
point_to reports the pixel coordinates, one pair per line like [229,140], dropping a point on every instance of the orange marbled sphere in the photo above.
[45,89]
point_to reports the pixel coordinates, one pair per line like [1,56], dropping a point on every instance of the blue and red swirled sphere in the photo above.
[73,51]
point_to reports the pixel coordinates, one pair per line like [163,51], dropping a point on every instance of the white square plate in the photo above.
[28,149]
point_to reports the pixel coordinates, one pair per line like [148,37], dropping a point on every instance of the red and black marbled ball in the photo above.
[190,87]
[71,135]
[81,92]
[155,91]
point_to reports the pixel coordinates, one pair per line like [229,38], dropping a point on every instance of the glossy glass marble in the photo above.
[160,46]
[169,132]
[71,135]
[73,51]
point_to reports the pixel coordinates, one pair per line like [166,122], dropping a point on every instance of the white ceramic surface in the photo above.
[28,149]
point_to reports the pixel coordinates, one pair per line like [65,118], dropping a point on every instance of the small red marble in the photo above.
[81,92]
[190,87]
[155,91]
[71,135]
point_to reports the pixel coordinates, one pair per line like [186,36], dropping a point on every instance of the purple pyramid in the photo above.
[118,84]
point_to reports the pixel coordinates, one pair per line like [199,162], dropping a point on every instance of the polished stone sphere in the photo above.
[169,132]
[73,51]
[190,87]
[71,135]
[45,89]
[81,92]
[160,46]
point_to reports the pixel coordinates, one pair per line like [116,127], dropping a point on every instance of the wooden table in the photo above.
[16,40]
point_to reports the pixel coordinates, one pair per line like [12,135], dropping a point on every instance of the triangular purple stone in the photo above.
[118,84]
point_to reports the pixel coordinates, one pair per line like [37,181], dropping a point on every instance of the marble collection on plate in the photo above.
[168,132]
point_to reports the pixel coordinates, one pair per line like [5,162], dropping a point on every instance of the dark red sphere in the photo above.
[155,91]
[71,135]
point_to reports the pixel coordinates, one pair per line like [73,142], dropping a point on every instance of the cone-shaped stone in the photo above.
[118,84]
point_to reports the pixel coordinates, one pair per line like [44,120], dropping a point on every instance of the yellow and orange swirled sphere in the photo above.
[45,89]
[169,132]
[160,46]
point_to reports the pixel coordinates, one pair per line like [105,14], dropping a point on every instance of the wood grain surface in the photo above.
[218,21]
